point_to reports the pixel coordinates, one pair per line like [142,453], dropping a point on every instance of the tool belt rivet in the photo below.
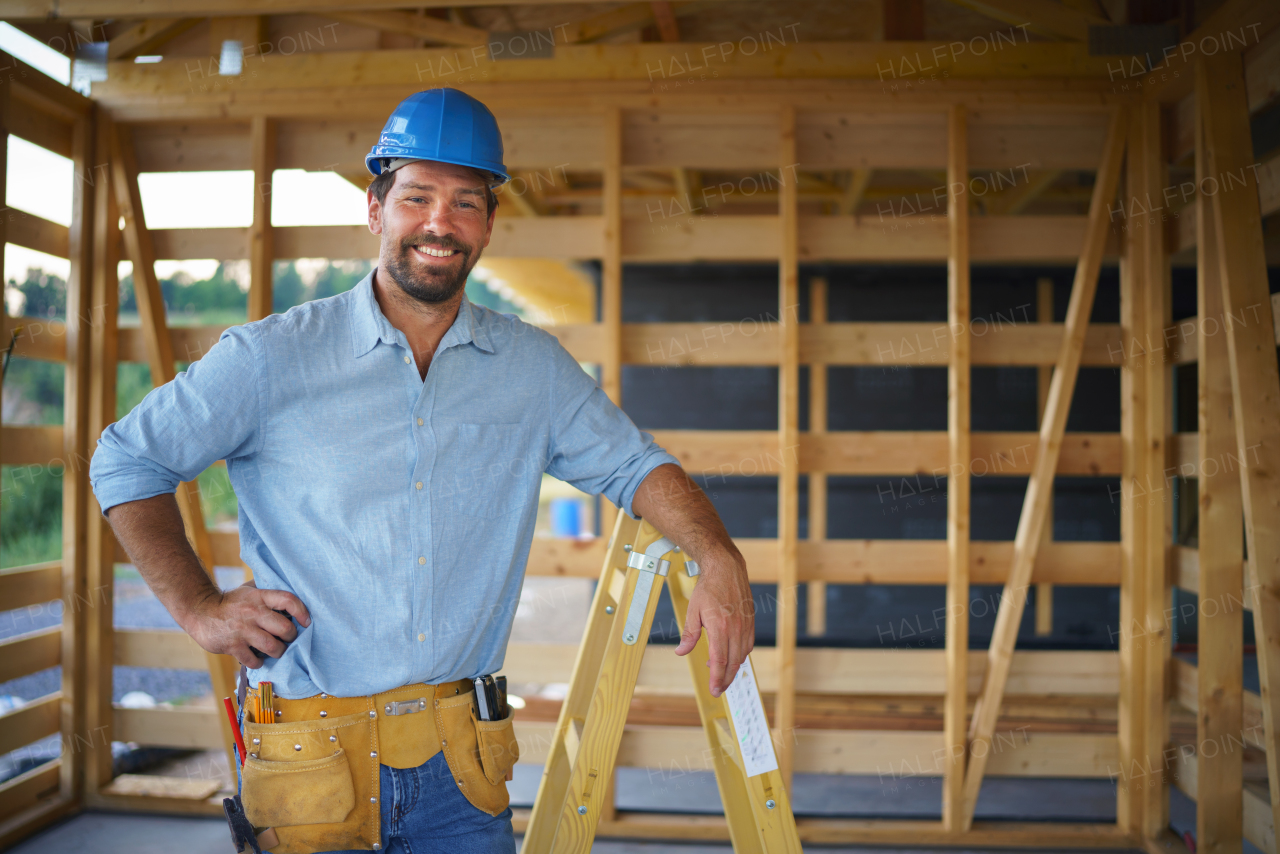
[333,738]
[373,800]
[373,754]
[373,714]
[297,747]
[324,696]
[253,755]
[443,742]
[377,846]
[257,741]
[323,713]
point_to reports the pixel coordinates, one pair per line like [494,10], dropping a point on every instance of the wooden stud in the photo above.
[1255,380]
[1219,664]
[665,17]
[100,570]
[1040,483]
[816,613]
[262,145]
[75,453]
[426,27]
[1146,166]
[147,36]
[1044,374]
[959,315]
[788,443]
[151,311]
[611,276]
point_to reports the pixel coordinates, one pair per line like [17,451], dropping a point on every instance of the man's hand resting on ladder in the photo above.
[721,602]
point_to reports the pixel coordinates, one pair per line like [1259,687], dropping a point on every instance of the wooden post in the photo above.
[100,628]
[1219,670]
[788,443]
[75,457]
[1255,380]
[816,616]
[611,277]
[1147,165]
[1040,484]
[262,149]
[151,310]
[959,314]
[1133,540]
[1044,375]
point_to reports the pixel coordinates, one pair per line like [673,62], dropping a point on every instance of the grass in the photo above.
[36,547]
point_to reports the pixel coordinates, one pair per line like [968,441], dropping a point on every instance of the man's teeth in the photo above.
[439,253]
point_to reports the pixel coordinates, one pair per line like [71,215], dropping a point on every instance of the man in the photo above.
[386,446]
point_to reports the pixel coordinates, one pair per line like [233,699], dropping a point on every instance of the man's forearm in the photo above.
[153,535]
[677,507]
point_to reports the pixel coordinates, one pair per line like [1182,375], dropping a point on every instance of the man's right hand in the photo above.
[243,621]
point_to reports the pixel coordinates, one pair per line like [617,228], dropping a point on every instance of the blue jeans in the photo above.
[423,811]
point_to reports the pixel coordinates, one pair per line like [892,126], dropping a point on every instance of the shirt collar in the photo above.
[369,325]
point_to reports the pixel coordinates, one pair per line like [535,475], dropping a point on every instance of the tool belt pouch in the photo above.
[479,752]
[312,781]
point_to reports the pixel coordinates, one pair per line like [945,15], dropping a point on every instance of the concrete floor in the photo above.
[114,833]
[814,795]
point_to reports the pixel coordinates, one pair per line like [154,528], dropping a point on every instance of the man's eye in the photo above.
[465,205]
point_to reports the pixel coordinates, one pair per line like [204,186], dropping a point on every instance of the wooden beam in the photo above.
[788,441]
[858,180]
[1220,692]
[249,30]
[1040,483]
[1043,17]
[1146,174]
[665,17]
[262,145]
[38,233]
[100,571]
[144,37]
[1044,376]
[959,458]
[30,652]
[1255,383]
[1015,200]
[151,311]
[30,722]
[903,20]
[432,29]
[816,613]
[650,65]
[75,446]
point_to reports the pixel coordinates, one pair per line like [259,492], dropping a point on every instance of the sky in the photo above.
[40,182]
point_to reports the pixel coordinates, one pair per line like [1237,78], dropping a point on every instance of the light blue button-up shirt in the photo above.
[399,511]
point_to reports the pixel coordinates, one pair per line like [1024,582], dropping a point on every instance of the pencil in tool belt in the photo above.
[267,699]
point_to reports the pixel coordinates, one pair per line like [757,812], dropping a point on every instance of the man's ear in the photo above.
[375,213]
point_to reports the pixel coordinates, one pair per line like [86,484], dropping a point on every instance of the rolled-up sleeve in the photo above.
[594,445]
[209,412]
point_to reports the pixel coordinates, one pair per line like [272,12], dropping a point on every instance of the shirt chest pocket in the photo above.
[484,470]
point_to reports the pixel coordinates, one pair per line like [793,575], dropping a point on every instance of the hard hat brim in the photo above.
[374,163]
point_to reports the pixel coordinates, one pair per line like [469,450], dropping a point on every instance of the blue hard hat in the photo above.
[445,125]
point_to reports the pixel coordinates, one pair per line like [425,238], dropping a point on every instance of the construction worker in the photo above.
[386,446]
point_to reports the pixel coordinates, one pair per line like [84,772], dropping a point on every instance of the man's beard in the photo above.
[424,284]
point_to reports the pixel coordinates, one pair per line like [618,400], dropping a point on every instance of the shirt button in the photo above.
[406,360]
[422,638]
[422,560]
[418,484]
[419,422]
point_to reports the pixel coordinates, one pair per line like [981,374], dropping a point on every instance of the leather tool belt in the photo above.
[313,774]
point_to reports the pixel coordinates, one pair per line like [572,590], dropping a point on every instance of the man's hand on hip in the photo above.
[243,617]
[721,604]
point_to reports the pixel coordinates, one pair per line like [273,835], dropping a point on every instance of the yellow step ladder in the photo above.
[580,764]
